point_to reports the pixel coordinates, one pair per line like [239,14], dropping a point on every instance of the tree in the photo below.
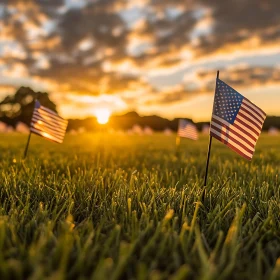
[20,106]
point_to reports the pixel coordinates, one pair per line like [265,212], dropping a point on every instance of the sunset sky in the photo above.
[150,56]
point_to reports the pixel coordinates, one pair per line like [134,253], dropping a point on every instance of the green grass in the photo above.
[125,207]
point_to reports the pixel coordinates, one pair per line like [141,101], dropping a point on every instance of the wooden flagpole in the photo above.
[27,145]
[178,141]
[209,148]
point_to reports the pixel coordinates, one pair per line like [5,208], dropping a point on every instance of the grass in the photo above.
[125,207]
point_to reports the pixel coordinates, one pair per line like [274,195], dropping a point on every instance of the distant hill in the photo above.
[157,123]
[125,122]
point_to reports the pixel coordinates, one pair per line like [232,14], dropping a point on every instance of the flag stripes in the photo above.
[187,130]
[48,124]
[236,121]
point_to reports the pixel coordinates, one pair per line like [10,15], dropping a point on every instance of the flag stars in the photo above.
[227,102]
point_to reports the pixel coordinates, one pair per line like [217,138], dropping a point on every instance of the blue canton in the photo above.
[227,102]
[183,123]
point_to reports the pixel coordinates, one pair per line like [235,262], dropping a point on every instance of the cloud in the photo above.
[91,48]
[202,82]
[233,24]
[245,76]
[87,104]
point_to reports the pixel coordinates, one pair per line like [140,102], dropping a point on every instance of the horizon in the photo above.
[145,56]
[151,115]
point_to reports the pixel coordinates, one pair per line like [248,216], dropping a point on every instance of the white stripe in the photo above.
[232,127]
[189,131]
[232,143]
[46,135]
[49,119]
[221,120]
[47,130]
[227,131]
[51,126]
[51,112]
[250,110]
[252,133]
[255,108]
[51,116]
[250,116]
[252,126]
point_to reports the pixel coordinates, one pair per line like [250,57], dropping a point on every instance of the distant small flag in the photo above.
[187,130]
[236,121]
[48,124]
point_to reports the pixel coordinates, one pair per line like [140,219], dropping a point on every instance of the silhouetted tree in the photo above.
[20,106]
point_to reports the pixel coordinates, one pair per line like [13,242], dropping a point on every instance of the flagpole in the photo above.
[178,142]
[28,140]
[209,149]
[27,145]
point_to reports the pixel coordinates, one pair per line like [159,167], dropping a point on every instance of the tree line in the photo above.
[19,108]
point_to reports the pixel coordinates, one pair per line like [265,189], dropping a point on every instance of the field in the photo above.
[126,207]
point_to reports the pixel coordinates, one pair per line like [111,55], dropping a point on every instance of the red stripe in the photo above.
[233,140]
[47,129]
[254,106]
[249,113]
[51,112]
[249,120]
[246,107]
[46,114]
[38,133]
[188,135]
[54,126]
[49,119]
[248,126]
[239,128]
[230,146]
[235,133]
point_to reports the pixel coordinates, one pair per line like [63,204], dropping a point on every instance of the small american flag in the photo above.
[48,124]
[187,130]
[236,121]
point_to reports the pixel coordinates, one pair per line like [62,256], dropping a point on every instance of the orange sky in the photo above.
[154,57]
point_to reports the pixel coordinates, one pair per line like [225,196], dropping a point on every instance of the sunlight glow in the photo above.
[103,115]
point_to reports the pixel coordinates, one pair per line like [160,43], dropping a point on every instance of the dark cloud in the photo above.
[169,36]
[252,23]
[169,26]
[68,65]
[90,79]
[245,76]
[92,23]
[80,69]
[237,21]
[239,78]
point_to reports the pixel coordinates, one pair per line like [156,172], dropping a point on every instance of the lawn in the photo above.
[127,207]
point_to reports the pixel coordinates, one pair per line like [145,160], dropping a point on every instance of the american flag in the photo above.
[187,130]
[236,121]
[48,124]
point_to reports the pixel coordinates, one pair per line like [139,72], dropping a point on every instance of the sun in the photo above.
[102,115]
